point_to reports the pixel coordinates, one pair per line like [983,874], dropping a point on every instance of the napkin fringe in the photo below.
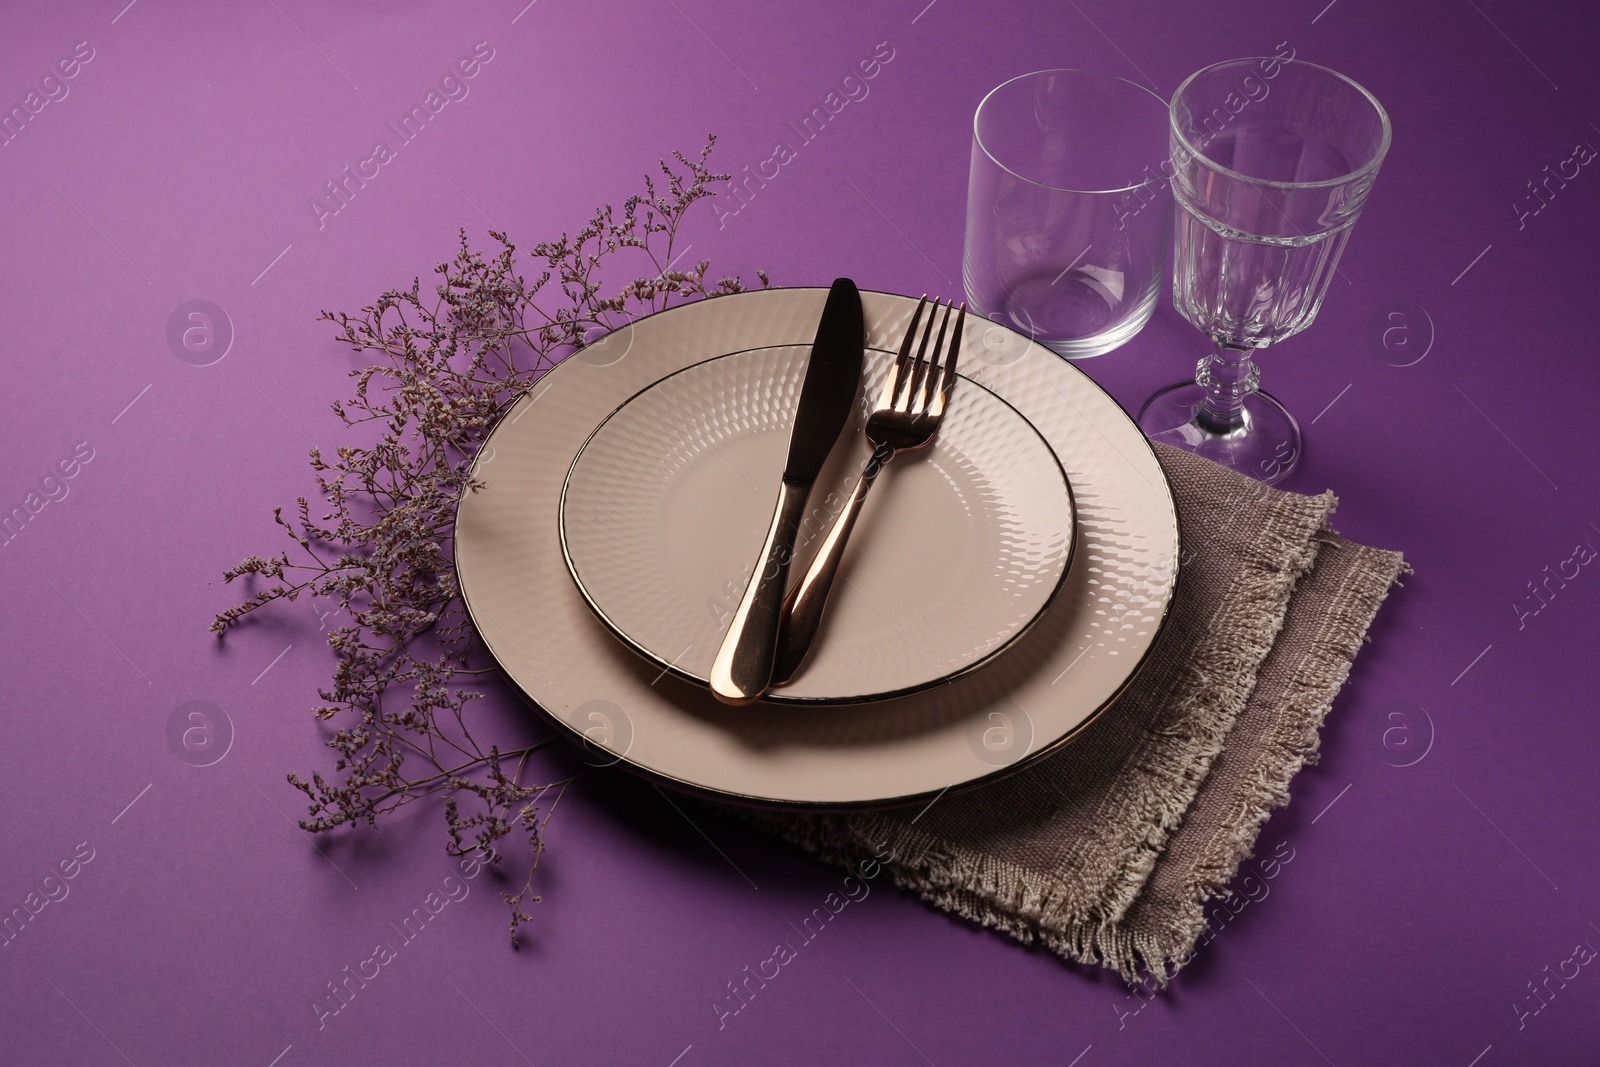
[1162,776]
[1292,743]
[990,893]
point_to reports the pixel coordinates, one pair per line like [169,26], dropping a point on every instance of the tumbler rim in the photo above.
[977,138]
[1355,175]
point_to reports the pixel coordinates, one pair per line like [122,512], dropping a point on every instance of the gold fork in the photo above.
[906,418]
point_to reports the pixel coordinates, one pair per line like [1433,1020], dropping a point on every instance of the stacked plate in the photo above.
[1001,590]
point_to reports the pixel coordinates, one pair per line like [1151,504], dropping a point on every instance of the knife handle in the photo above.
[743,667]
[802,611]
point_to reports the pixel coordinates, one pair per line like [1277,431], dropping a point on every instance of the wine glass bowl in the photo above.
[1272,161]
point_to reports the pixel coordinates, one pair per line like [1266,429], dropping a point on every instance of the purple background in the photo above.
[1421,899]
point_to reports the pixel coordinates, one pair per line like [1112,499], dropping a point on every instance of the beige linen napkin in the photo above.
[1107,851]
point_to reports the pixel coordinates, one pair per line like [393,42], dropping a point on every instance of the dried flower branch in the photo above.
[450,363]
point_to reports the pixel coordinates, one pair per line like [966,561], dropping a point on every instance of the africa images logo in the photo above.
[453,87]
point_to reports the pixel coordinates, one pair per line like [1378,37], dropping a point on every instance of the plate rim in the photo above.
[778,697]
[683,785]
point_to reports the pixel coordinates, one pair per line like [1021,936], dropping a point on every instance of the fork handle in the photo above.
[802,609]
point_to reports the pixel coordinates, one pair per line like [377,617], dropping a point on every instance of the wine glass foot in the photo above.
[1265,444]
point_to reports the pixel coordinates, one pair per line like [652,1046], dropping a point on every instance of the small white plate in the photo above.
[1042,693]
[960,548]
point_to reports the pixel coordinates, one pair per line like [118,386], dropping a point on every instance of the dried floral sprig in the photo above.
[451,363]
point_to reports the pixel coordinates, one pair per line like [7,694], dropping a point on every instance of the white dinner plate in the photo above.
[1068,668]
[960,549]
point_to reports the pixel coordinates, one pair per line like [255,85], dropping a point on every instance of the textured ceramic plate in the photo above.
[1042,692]
[960,548]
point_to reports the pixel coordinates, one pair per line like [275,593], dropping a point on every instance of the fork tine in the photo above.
[915,375]
[948,378]
[902,364]
[928,378]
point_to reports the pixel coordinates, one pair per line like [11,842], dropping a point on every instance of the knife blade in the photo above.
[743,667]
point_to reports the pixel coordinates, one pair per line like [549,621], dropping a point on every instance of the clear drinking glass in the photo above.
[1272,161]
[1068,208]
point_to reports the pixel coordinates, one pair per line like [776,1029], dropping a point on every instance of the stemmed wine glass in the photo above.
[1272,161]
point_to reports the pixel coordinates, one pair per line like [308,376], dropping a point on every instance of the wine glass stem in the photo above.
[1228,377]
